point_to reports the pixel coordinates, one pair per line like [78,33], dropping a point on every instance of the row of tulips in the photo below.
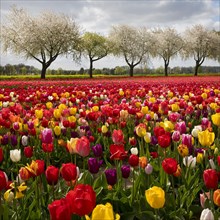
[125,149]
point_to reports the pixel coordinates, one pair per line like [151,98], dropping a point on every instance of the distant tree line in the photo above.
[22,69]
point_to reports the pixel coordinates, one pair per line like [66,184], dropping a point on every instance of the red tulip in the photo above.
[118,137]
[82,199]
[133,160]
[210,178]
[47,147]
[158,131]
[52,175]
[117,152]
[40,167]
[3,180]
[169,165]
[68,171]
[28,152]
[59,210]
[164,140]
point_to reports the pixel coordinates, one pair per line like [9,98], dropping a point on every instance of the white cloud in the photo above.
[99,16]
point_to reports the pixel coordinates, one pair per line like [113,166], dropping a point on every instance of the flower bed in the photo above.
[141,148]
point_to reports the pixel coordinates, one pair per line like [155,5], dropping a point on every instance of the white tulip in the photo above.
[24,140]
[207,215]
[15,155]
[189,161]
[134,150]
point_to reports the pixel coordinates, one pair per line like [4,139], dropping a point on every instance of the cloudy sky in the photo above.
[100,15]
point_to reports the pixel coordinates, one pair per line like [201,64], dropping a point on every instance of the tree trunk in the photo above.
[90,68]
[196,69]
[166,69]
[131,70]
[43,71]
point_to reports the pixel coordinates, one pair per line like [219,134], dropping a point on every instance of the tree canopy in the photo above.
[131,43]
[43,38]
[200,43]
[95,47]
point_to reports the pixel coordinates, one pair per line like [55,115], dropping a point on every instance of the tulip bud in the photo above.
[24,140]
[125,171]
[212,164]
[148,169]
[207,215]
[111,176]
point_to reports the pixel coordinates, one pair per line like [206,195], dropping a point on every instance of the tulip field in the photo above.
[141,148]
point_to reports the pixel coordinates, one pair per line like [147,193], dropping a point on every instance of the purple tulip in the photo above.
[125,170]
[14,140]
[111,176]
[4,140]
[154,140]
[47,136]
[97,150]
[74,134]
[94,165]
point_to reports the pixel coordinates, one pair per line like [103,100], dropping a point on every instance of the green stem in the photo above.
[173,190]
[132,197]
[157,217]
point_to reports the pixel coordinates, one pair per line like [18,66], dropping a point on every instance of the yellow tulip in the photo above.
[72,118]
[144,110]
[104,129]
[61,107]
[186,97]
[141,130]
[138,104]
[152,99]
[170,94]
[71,145]
[39,113]
[216,119]
[155,196]
[175,107]
[147,137]
[9,195]
[183,150]
[104,212]
[49,105]
[95,108]
[167,125]
[199,158]
[73,111]
[206,138]
[204,95]
[121,92]
[213,105]
[57,113]
[57,130]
